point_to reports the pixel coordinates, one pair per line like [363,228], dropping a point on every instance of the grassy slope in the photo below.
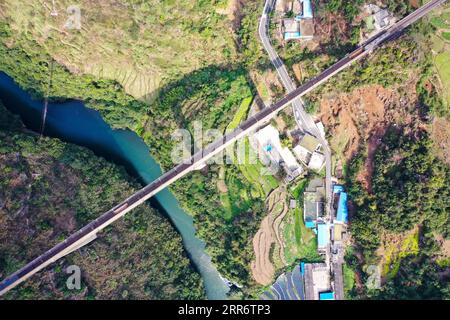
[48,190]
[209,94]
[139,44]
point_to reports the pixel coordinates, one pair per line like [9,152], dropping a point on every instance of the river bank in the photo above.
[74,123]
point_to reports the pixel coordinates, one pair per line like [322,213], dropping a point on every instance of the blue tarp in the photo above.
[338,189]
[342,210]
[326,296]
[323,235]
[268,148]
[291,35]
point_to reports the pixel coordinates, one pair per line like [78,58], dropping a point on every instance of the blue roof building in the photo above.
[342,210]
[323,235]
[307,9]
[291,35]
[326,295]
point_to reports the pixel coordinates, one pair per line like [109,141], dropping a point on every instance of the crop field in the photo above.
[442,62]
[289,286]
[239,196]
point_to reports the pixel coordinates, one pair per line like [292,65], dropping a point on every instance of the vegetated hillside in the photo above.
[382,116]
[48,190]
[140,44]
[211,95]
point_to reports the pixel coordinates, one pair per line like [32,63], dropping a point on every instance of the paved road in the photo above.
[302,118]
[89,232]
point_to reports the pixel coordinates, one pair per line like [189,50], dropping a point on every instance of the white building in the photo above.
[271,150]
[308,152]
[380,18]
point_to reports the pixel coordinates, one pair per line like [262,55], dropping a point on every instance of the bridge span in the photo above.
[89,232]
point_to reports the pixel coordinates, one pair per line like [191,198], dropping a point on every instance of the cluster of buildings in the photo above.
[329,231]
[307,153]
[298,21]
[324,281]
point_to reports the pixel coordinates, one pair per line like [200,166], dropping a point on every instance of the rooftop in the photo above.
[337,232]
[310,206]
[323,235]
[307,9]
[309,142]
[317,161]
[269,140]
[307,28]
[342,210]
[302,154]
[291,26]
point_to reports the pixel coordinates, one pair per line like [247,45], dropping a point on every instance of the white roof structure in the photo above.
[381,17]
[302,154]
[269,141]
[307,151]
[319,125]
[317,161]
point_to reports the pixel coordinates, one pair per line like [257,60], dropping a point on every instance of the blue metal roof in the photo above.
[268,147]
[342,210]
[326,295]
[291,35]
[307,9]
[302,267]
[323,235]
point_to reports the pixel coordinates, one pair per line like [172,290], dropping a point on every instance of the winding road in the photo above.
[303,119]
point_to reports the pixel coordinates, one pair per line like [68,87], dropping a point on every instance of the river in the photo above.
[73,122]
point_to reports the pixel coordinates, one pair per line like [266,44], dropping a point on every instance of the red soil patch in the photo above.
[414,3]
[362,118]
[440,135]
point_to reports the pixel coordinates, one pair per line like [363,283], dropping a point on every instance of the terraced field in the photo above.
[140,44]
[289,286]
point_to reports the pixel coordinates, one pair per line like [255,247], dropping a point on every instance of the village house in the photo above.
[272,152]
[308,151]
[300,24]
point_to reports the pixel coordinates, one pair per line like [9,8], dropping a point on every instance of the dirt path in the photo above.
[262,268]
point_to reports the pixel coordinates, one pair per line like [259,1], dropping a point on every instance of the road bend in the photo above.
[303,119]
[89,232]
